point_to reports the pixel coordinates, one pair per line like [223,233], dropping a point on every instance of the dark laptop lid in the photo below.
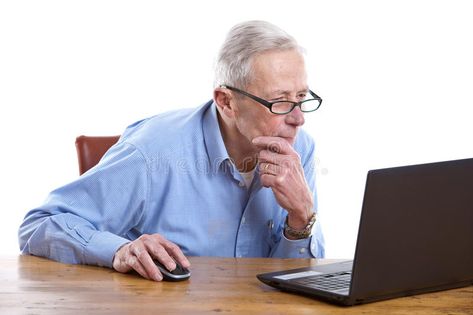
[416,230]
[415,236]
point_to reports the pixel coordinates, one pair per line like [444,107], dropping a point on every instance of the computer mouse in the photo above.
[178,274]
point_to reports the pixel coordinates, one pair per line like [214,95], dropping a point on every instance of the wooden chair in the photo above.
[91,149]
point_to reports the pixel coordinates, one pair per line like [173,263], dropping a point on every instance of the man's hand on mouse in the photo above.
[138,255]
[280,169]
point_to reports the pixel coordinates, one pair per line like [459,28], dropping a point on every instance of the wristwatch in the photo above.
[299,234]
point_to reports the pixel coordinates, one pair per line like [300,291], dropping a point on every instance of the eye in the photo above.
[302,95]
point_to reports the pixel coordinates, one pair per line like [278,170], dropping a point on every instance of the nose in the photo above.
[296,117]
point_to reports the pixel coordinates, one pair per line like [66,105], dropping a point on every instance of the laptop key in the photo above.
[328,282]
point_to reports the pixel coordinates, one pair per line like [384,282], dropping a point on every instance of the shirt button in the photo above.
[243,220]
[241,184]
[302,250]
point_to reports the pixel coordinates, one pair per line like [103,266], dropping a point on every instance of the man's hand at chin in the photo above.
[281,170]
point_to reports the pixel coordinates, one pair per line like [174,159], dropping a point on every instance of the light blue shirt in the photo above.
[168,174]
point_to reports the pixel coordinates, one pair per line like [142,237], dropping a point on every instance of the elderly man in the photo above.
[234,177]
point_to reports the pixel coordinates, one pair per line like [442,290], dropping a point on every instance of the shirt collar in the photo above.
[214,144]
[216,150]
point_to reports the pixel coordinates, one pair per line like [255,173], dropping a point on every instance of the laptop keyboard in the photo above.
[333,282]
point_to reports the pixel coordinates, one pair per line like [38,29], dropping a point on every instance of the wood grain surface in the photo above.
[32,285]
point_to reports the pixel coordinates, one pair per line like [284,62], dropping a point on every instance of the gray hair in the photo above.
[243,42]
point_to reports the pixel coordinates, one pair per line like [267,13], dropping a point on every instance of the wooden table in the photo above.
[32,285]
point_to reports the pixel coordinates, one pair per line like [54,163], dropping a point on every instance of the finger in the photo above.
[154,246]
[135,264]
[274,144]
[150,267]
[269,169]
[266,156]
[269,180]
[177,253]
[165,251]
[144,264]
[161,254]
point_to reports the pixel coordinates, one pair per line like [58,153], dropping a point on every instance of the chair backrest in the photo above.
[91,149]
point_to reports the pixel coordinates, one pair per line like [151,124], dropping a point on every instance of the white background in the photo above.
[396,78]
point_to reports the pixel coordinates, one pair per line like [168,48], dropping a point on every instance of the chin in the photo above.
[290,140]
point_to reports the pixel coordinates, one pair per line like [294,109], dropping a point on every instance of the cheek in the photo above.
[255,121]
[263,125]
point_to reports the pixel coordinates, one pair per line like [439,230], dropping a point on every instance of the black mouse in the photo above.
[178,274]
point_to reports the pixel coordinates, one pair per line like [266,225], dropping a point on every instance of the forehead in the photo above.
[279,70]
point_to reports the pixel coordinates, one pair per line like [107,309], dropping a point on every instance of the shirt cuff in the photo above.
[293,248]
[102,248]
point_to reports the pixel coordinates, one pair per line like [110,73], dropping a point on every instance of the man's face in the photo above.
[277,75]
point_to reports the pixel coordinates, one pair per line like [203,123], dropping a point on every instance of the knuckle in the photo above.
[288,161]
[279,181]
[144,237]
[160,252]
[132,261]
[132,248]
[150,241]
[285,172]
[264,180]
[275,146]
[158,237]
[136,245]
[279,169]
[174,248]
[141,255]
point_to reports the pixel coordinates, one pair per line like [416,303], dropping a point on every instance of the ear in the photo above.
[224,100]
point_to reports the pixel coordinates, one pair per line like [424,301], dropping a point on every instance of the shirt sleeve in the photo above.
[86,221]
[313,246]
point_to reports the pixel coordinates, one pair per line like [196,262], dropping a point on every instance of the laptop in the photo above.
[415,236]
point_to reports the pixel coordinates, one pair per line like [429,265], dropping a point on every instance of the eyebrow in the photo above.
[285,92]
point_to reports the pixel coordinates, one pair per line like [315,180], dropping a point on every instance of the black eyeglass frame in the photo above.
[270,104]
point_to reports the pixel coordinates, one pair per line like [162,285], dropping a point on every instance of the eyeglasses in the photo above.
[284,107]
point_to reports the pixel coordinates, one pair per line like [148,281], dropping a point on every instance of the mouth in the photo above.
[289,135]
